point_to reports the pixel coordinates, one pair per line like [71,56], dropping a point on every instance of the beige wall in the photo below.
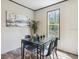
[68,24]
[11,36]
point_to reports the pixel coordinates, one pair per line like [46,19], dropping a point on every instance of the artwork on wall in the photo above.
[13,19]
[53,22]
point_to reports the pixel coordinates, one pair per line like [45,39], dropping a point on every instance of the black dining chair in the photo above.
[27,38]
[28,45]
[47,51]
[55,47]
[50,49]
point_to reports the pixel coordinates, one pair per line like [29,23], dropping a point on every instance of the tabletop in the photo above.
[41,42]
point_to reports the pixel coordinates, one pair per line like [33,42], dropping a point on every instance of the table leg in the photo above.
[40,52]
[37,51]
[43,51]
[22,50]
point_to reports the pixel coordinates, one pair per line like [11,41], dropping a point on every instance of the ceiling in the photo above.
[36,4]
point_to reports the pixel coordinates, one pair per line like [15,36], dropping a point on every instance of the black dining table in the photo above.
[38,44]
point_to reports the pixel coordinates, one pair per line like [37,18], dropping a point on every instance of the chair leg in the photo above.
[50,56]
[56,53]
[53,54]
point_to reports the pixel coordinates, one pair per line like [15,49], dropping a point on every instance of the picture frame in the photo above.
[14,20]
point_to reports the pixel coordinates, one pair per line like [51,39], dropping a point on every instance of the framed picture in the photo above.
[54,23]
[16,20]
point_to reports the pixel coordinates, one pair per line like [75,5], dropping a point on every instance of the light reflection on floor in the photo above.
[61,55]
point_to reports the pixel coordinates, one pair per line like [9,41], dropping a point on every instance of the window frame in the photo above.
[53,24]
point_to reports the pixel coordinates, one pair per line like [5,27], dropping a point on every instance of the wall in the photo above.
[68,24]
[11,36]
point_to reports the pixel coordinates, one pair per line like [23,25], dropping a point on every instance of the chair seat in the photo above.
[31,48]
[26,46]
[45,52]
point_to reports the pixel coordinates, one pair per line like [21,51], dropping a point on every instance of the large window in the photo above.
[53,22]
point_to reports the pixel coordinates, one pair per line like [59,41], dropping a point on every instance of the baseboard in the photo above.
[67,52]
[10,50]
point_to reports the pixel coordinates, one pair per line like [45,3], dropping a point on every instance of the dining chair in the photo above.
[55,47]
[27,38]
[48,51]
[25,46]
[28,45]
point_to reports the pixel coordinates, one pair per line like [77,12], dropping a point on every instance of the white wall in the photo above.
[68,24]
[11,36]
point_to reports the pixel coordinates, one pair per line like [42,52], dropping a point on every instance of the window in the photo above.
[53,22]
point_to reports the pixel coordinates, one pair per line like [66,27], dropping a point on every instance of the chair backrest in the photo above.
[56,42]
[52,45]
[50,49]
[27,36]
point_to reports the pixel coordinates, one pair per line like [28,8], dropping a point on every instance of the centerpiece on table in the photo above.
[34,28]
